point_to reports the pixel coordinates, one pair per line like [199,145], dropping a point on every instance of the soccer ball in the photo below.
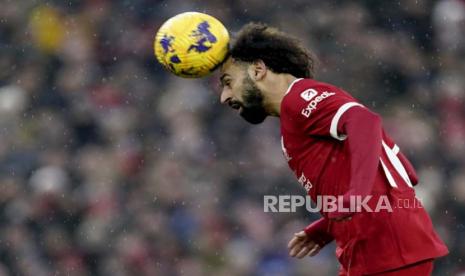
[191,44]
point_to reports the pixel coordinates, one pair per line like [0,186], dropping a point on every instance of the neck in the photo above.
[275,91]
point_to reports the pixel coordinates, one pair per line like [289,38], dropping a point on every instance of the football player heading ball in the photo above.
[338,146]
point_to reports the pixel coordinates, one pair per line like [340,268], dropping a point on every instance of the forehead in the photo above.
[231,67]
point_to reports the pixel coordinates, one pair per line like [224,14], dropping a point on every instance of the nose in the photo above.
[225,96]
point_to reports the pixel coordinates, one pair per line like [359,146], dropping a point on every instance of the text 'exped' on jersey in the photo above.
[313,104]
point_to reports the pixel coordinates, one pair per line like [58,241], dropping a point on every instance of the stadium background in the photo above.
[111,166]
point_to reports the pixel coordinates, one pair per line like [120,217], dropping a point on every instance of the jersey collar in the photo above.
[292,84]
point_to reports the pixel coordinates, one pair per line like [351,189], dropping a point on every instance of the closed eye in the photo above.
[225,81]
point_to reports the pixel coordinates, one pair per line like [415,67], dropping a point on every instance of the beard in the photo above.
[252,107]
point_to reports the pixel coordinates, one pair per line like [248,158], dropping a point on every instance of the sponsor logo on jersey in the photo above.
[314,103]
[309,94]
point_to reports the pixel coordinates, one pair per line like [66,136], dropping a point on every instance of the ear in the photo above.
[257,70]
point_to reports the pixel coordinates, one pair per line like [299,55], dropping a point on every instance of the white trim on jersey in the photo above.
[395,149]
[335,120]
[292,84]
[388,175]
[392,156]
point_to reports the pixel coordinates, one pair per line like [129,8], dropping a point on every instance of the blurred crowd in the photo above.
[111,166]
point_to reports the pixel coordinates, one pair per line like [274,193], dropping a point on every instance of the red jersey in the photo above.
[337,147]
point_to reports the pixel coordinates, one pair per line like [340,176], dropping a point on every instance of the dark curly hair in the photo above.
[280,52]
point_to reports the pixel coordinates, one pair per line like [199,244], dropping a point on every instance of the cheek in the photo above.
[238,92]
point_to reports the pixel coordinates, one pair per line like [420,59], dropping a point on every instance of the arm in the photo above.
[318,232]
[310,241]
[362,131]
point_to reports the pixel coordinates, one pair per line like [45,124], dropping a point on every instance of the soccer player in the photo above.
[336,147]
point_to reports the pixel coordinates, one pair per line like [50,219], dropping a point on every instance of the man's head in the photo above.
[258,56]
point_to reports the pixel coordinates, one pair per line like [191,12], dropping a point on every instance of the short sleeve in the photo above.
[317,110]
